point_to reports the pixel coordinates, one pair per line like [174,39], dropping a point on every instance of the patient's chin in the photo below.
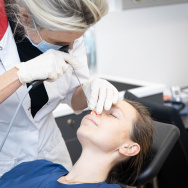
[81,135]
[94,143]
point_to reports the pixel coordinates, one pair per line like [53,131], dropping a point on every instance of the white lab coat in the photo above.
[39,137]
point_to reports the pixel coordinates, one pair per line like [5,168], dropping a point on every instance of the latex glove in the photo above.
[50,65]
[101,94]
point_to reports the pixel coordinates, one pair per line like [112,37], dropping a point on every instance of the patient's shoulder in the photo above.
[34,168]
[111,185]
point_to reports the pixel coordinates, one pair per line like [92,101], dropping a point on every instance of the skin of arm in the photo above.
[9,83]
[78,101]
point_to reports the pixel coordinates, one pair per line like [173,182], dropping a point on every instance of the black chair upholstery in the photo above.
[165,114]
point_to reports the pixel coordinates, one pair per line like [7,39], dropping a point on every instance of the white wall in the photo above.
[149,44]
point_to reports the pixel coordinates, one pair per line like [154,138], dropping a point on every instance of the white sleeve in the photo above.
[79,53]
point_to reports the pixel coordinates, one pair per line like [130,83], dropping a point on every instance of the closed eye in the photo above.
[113,115]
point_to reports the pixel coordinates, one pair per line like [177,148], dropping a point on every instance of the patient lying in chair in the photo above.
[113,143]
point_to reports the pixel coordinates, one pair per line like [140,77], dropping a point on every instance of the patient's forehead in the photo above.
[124,106]
[128,111]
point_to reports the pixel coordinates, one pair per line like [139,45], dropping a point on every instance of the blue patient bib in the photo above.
[42,174]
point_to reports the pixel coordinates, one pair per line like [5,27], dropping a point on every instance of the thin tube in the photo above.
[13,118]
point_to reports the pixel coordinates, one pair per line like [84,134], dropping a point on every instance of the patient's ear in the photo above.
[130,149]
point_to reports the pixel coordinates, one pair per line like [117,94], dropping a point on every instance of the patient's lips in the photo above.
[90,118]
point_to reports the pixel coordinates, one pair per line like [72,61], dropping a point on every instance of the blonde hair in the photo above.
[60,15]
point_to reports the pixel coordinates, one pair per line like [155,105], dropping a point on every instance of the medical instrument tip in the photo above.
[93,111]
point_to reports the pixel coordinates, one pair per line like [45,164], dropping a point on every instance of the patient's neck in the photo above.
[90,168]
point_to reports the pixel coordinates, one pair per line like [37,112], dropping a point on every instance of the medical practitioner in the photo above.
[31,33]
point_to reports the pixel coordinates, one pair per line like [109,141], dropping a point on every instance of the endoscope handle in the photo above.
[36,83]
[64,49]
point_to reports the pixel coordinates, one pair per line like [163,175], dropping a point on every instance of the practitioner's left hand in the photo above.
[101,94]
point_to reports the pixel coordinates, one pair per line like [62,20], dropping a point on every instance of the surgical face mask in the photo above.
[43,46]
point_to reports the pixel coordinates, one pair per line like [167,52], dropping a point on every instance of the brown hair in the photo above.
[127,171]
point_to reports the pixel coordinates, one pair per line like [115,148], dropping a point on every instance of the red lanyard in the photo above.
[3,19]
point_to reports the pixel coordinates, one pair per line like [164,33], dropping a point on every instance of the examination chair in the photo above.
[173,172]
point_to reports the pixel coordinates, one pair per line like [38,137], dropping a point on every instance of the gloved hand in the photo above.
[50,65]
[101,94]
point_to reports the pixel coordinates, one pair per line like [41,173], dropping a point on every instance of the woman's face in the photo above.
[109,130]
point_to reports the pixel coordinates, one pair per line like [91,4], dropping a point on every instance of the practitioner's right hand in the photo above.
[51,65]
